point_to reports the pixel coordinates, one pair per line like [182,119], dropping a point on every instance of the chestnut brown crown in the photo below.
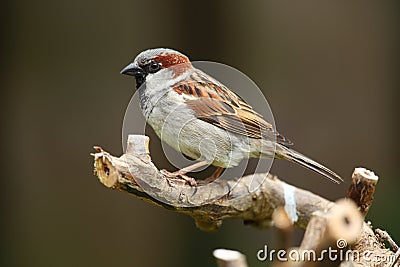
[153,60]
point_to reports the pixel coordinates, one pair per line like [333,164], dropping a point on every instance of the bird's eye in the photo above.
[154,67]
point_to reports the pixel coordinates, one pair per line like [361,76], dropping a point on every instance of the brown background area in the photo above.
[327,69]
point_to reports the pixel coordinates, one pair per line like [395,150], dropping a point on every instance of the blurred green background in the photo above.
[328,70]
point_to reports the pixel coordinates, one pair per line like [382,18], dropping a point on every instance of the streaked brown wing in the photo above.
[214,103]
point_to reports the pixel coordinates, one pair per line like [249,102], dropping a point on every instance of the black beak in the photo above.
[133,70]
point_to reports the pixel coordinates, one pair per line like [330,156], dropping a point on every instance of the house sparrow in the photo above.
[200,117]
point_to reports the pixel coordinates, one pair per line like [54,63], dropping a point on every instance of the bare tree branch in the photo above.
[362,188]
[135,174]
[229,258]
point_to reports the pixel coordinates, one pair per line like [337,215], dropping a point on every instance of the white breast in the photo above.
[175,124]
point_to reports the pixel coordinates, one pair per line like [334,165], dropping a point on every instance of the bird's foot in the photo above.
[179,174]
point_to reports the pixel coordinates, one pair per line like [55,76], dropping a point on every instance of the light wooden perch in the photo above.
[134,173]
[229,258]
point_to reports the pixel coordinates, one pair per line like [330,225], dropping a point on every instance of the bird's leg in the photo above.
[182,172]
[214,176]
[193,167]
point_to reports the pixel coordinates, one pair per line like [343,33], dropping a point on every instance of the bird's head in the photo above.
[152,61]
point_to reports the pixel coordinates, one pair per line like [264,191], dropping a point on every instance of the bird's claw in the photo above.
[191,181]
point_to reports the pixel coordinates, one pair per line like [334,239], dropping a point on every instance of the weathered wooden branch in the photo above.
[335,228]
[229,258]
[362,189]
[284,228]
[134,173]
[384,236]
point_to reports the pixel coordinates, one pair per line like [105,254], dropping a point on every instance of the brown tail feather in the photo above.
[294,156]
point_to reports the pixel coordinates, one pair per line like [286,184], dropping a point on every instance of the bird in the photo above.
[203,119]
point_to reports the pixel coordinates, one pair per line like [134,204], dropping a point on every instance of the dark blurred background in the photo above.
[328,70]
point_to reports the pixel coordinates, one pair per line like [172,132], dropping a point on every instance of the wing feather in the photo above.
[214,103]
